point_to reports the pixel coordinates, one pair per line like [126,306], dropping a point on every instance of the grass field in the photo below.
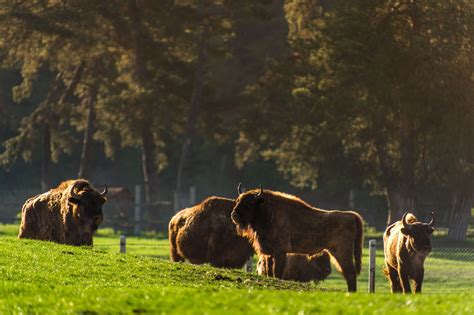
[42,277]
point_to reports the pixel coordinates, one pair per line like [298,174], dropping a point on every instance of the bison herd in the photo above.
[293,240]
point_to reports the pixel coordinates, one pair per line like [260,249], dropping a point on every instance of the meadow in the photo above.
[42,277]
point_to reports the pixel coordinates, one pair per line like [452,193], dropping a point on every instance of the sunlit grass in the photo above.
[43,277]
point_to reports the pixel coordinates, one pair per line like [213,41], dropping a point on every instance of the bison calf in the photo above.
[205,234]
[299,267]
[406,245]
[68,214]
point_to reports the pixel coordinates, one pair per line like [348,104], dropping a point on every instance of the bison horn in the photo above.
[73,191]
[260,193]
[406,225]
[432,219]
[104,192]
[239,188]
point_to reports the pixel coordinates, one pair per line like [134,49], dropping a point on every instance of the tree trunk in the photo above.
[46,159]
[183,180]
[407,167]
[459,216]
[398,203]
[148,148]
[150,172]
[399,188]
[85,167]
[72,85]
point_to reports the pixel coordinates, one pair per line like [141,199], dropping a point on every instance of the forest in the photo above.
[317,98]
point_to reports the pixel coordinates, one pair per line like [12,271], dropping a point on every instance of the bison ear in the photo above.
[430,230]
[405,231]
[74,200]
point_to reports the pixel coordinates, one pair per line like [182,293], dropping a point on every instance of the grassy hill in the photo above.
[42,277]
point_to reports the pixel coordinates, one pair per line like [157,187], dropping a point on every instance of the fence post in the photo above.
[176,205]
[123,244]
[192,196]
[372,266]
[352,199]
[138,205]
[248,265]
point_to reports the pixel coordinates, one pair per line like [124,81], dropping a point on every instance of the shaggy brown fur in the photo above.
[299,267]
[205,234]
[68,214]
[406,245]
[278,223]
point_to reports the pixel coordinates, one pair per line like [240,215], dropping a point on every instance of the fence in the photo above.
[447,269]
[124,211]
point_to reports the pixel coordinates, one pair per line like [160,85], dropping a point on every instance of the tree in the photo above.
[366,76]
[46,37]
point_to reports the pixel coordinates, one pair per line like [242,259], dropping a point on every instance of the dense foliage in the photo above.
[333,95]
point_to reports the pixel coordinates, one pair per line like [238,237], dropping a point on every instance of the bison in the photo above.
[68,214]
[205,233]
[277,223]
[300,267]
[406,244]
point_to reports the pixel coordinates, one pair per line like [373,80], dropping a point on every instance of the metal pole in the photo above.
[123,244]
[372,266]
[138,204]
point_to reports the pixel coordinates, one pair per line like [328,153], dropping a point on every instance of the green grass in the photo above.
[43,278]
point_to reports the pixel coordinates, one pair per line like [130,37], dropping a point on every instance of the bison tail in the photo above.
[359,240]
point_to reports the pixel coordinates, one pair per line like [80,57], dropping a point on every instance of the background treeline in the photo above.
[313,97]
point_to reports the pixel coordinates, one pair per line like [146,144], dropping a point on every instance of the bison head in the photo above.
[418,234]
[322,265]
[247,207]
[88,202]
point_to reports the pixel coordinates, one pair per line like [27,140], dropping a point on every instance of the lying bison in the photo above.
[68,214]
[205,234]
[406,245]
[278,223]
[299,267]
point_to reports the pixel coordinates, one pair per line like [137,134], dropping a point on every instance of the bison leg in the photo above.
[419,280]
[394,280]
[279,260]
[404,279]
[350,275]
[345,259]
[174,254]
[268,265]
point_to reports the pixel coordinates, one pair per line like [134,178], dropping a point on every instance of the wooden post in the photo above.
[123,244]
[248,265]
[138,205]
[371,266]
[351,199]
[192,196]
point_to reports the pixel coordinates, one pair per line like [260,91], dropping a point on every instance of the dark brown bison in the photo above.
[205,234]
[68,214]
[278,223]
[406,244]
[299,267]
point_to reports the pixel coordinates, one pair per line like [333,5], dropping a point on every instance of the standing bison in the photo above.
[278,223]
[68,214]
[205,234]
[299,267]
[406,244]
